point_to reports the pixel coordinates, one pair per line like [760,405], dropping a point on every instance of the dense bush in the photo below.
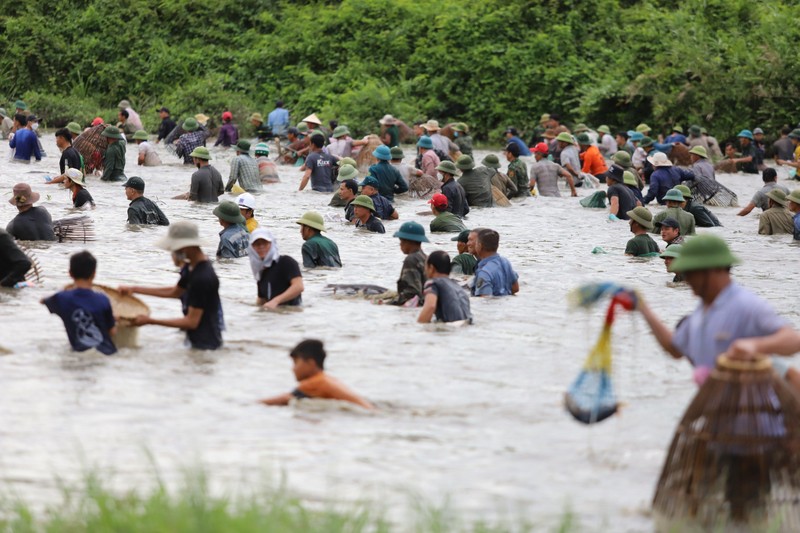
[492,63]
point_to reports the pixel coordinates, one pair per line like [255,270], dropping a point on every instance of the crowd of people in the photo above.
[365,176]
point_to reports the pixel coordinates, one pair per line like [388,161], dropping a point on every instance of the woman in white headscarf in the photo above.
[277,276]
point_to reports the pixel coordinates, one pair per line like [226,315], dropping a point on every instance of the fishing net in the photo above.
[74,229]
[125,308]
[422,186]
[726,166]
[365,159]
[590,398]
[500,199]
[92,146]
[711,192]
[733,463]
[594,200]
[35,273]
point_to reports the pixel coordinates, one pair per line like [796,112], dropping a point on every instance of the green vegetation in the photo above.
[727,64]
[97,509]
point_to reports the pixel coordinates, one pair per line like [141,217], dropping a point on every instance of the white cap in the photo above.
[246,200]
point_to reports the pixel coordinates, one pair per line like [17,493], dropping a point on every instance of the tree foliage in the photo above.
[727,64]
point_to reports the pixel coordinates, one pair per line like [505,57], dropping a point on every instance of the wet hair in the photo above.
[769,174]
[623,134]
[22,119]
[65,134]
[352,185]
[293,131]
[489,240]
[440,261]
[124,113]
[82,265]
[279,103]
[318,140]
[310,349]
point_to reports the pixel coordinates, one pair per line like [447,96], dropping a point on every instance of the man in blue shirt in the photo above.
[664,177]
[494,275]
[794,207]
[25,142]
[512,136]
[278,120]
[726,313]
[676,136]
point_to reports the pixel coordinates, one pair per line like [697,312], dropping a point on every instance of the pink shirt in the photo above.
[429,163]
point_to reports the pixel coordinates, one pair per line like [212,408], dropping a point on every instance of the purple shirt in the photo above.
[228,135]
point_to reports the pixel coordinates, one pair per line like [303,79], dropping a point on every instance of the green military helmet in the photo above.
[704,252]
[112,132]
[699,151]
[397,152]
[340,131]
[465,162]
[629,179]
[673,251]
[190,124]
[685,191]
[201,152]
[75,128]
[622,158]
[229,212]
[673,195]
[491,161]
[302,127]
[364,201]
[447,167]
[411,231]
[140,135]
[642,215]
[312,219]
[347,161]
[347,172]
[564,137]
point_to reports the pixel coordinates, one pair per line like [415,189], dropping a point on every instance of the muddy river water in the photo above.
[470,416]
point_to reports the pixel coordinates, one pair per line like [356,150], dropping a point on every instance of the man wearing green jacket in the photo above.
[114,158]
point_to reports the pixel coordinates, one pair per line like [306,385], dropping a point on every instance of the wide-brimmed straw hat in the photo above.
[431,125]
[388,120]
[659,159]
[76,177]
[229,212]
[704,252]
[22,195]
[181,234]
[642,215]
[257,117]
[312,219]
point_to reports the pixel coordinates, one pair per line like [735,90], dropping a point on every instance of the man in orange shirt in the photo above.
[593,162]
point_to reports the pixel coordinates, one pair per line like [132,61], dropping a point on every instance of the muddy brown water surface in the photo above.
[472,416]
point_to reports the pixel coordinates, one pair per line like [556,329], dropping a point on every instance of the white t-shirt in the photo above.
[151,158]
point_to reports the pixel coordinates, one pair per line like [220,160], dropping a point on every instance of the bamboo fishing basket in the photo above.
[125,309]
[734,463]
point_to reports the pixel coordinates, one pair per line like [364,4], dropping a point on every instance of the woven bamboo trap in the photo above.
[125,309]
[734,463]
